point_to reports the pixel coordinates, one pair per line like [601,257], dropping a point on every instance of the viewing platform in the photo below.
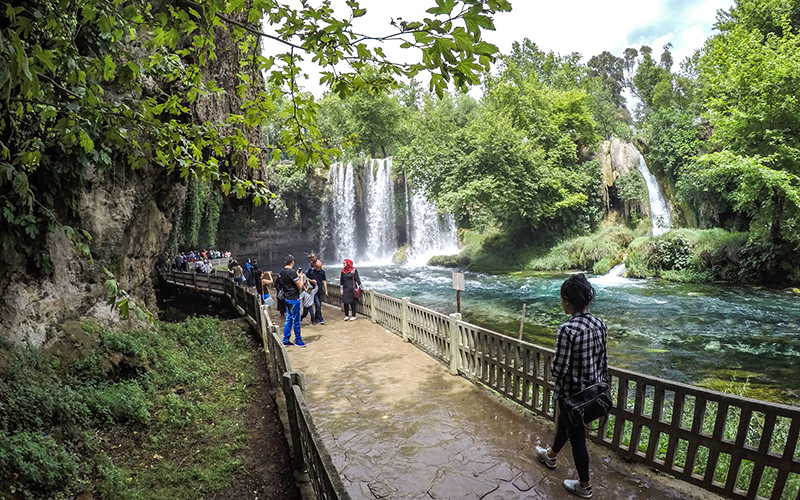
[398,425]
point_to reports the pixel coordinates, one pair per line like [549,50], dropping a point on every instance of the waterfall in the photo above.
[369,233]
[429,233]
[343,203]
[381,233]
[659,210]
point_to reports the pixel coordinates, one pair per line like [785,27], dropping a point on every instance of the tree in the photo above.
[112,84]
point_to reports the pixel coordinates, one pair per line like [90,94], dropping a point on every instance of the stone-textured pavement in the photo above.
[399,426]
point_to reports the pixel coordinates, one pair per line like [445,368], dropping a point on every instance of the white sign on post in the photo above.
[458,281]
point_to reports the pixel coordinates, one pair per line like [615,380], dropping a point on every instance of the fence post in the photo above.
[194,280]
[454,342]
[289,379]
[372,305]
[404,327]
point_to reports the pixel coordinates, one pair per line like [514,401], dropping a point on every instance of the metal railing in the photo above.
[308,450]
[735,446]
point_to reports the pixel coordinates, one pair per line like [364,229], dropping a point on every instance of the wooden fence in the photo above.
[308,450]
[738,447]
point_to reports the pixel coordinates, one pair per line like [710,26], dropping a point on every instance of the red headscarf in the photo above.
[348,266]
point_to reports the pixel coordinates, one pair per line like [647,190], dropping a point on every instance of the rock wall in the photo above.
[128,214]
[616,159]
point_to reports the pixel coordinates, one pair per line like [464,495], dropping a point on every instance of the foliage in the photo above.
[749,186]
[672,139]
[87,90]
[585,252]
[174,427]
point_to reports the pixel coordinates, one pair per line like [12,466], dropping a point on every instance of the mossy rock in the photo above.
[445,261]
[401,255]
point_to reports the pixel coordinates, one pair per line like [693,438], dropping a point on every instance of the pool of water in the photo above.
[741,338]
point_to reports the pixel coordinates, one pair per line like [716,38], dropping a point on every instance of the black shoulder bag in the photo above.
[590,404]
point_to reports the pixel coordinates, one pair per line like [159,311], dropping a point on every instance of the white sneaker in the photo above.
[574,487]
[347,318]
[353,318]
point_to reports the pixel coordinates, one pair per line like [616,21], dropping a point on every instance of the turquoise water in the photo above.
[708,335]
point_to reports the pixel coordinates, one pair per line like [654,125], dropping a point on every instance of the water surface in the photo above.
[738,337]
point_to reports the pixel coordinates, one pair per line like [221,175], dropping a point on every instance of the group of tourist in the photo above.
[299,294]
[196,261]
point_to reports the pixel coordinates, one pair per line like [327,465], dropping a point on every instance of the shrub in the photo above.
[607,246]
[41,463]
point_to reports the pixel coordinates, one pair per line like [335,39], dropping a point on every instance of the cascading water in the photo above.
[429,233]
[659,210]
[381,234]
[371,235]
[343,210]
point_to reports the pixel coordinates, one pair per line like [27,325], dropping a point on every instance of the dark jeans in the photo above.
[576,434]
[317,317]
[352,307]
[292,321]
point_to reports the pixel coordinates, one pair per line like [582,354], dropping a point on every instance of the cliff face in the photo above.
[128,215]
[617,158]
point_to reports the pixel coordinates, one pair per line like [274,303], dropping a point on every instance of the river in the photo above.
[740,338]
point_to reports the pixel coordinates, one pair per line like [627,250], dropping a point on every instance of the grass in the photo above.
[141,414]
[600,251]
[701,461]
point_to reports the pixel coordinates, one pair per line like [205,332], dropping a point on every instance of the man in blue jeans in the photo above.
[316,273]
[292,283]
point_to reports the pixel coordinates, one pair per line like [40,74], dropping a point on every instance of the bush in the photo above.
[41,463]
[607,247]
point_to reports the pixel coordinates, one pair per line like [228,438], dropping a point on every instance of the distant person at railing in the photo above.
[254,270]
[291,284]
[317,274]
[348,282]
[236,273]
[580,360]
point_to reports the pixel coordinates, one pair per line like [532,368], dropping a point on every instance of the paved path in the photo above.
[399,426]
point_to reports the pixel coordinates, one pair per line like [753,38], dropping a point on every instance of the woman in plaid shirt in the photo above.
[580,360]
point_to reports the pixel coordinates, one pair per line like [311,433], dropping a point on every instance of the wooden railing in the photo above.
[308,450]
[738,447]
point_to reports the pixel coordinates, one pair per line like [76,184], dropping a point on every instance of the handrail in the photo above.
[735,446]
[308,449]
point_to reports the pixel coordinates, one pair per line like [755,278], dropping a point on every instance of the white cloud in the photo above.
[566,26]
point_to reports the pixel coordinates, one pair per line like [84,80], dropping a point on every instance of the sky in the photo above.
[565,26]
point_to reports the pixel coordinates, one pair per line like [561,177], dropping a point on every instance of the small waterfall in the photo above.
[381,237]
[343,222]
[617,271]
[430,233]
[659,210]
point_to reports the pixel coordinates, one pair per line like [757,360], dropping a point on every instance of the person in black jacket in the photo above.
[348,282]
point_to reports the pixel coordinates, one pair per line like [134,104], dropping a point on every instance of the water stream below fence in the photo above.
[740,338]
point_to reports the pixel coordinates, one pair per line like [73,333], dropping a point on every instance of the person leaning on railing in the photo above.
[580,360]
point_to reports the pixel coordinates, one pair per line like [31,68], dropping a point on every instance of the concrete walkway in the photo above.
[398,425]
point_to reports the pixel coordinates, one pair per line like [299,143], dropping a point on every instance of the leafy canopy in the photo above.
[101,85]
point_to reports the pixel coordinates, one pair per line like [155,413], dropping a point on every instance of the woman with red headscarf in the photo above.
[348,282]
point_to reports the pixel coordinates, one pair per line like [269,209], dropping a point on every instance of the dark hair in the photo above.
[577,291]
[288,260]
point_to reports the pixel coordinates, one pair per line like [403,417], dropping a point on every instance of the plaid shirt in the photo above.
[581,358]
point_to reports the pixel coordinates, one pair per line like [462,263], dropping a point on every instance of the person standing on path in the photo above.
[317,273]
[292,283]
[348,282]
[580,360]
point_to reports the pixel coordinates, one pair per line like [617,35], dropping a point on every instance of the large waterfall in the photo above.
[659,210]
[372,232]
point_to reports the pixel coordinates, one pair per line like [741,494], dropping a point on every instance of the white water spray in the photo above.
[381,234]
[343,224]
[659,210]
[429,233]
